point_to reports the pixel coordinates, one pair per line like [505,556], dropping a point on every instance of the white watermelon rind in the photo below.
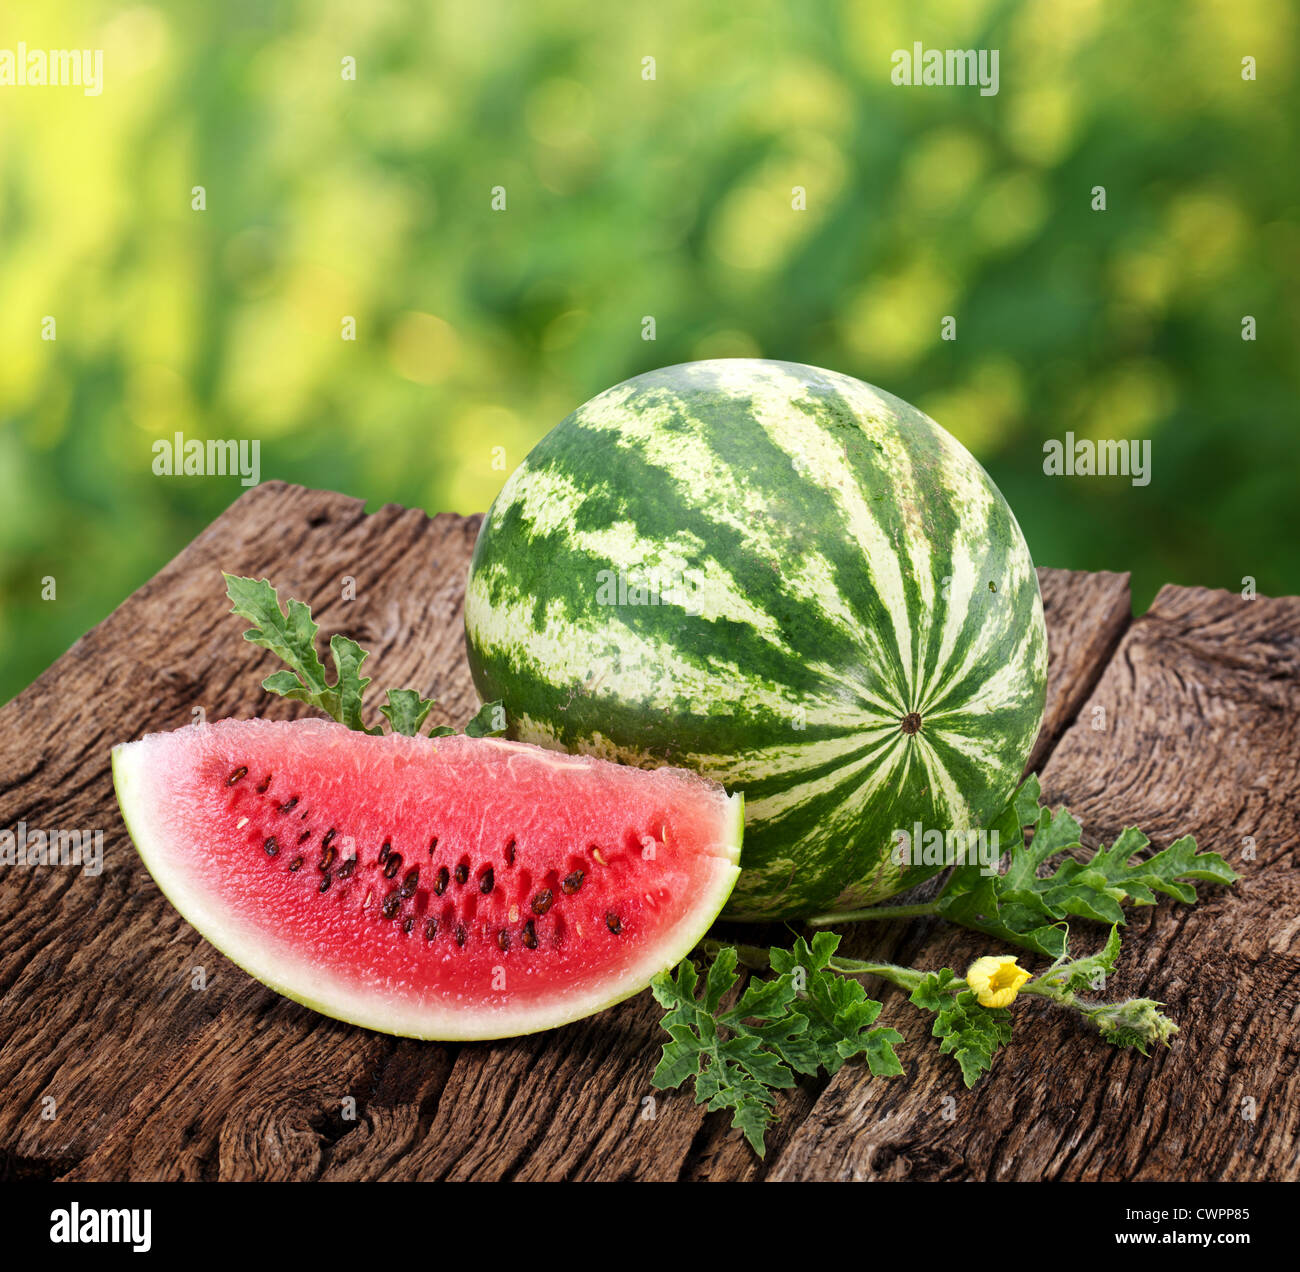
[312,986]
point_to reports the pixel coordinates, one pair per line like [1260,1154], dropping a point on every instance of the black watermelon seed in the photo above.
[431,929]
[542,901]
[325,882]
[384,851]
[433,845]
[408,923]
[392,903]
[241,771]
[392,864]
[440,883]
[503,938]
[296,864]
[271,847]
[329,835]
[346,869]
[289,805]
[462,874]
[460,934]
[530,935]
[572,883]
[265,786]
[304,837]
[510,853]
[411,882]
[327,858]
[485,884]
[614,923]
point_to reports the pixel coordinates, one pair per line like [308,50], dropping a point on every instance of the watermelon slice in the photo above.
[455,888]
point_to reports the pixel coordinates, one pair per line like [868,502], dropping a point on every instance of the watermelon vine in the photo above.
[813,1016]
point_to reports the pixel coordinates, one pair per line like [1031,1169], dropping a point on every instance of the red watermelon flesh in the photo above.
[450,888]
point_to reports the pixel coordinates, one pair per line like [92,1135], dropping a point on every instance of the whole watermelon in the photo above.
[787,580]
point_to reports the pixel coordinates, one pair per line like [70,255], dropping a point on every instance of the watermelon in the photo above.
[786,580]
[449,888]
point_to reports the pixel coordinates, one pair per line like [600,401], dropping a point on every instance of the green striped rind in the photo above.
[845,562]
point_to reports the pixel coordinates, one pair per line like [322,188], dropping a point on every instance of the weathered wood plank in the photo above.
[1086,616]
[1193,727]
[96,1001]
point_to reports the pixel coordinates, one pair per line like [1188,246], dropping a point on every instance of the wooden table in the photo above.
[113,1067]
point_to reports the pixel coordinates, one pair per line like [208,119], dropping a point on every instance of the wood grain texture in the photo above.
[152,1078]
[1086,616]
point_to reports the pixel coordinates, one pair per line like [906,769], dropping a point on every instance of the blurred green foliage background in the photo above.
[630,197]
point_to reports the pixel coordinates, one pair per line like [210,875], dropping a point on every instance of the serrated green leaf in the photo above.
[882,1059]
[1025,802]
[969,1032]
[721,977]
[757,1061]
[936,989]
[972,1034]
[679,1061]
[739,1057]
[752,1119]
[291,635]
[406,711]
[488,721]
[1027,907]
[350,683]
[763,1000]
[1088,973]
[287,685]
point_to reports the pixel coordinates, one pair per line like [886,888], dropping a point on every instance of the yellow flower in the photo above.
[996,979]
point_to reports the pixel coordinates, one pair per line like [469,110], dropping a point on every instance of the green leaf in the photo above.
[351,685]
[288,685]
[972,1034]
[1135,1023]
[1024,803]
[937,989]
[406,711]
[722,976]
[763,1000]
[804,1019]
[1021,918]
[732,1068]
[1027,906]
[1089,973]
[488,721]
[752,1118]
[291,635]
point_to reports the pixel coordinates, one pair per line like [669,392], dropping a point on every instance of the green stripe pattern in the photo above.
[782,578]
